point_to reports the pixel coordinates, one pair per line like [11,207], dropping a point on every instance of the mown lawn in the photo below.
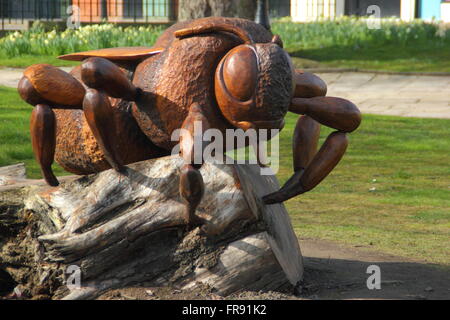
[391,192]
[384,58]
[348,42]
[27,60]
[15,143]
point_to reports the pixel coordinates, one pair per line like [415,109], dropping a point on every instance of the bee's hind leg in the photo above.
[43,139]
[46,87]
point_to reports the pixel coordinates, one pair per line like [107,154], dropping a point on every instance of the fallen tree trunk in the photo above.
[121,230]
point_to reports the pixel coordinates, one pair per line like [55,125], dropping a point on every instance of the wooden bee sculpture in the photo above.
[121,105]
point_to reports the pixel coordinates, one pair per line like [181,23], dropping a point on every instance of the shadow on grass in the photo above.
[338,279]
[347,279]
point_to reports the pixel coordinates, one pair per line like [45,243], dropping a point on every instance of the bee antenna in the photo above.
[212,28]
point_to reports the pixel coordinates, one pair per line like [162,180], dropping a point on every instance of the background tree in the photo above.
[193,9]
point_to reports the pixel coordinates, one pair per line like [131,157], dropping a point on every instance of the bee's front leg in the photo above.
[192,186]
[310,168]
[104,79]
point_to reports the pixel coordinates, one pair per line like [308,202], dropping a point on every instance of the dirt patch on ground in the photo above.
[332,271]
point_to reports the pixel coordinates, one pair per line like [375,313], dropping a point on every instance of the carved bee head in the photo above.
[254,82]
[254,85]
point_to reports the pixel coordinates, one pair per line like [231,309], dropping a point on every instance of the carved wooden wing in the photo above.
[115,54]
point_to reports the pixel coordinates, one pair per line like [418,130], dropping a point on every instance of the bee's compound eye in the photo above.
[240,72]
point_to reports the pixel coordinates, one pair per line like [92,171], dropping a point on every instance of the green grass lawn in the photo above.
[391,192]
[15,143]
[27,60]
[347,42]
[384,58]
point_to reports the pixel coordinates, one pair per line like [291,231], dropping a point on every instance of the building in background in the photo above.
[30,9]
[309,10]
[19,14]
[148,11]
[445,11]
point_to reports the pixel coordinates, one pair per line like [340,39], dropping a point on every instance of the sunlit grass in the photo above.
[15,142]
[391,191]
[26,60]
[415,46]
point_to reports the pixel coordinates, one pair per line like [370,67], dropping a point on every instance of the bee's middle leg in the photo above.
[99,116]
[104,79]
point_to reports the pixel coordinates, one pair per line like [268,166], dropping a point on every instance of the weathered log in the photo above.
[129,229]
[10,174]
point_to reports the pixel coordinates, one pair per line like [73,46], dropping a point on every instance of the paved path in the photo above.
[385,94]
[390,94]
[10,76]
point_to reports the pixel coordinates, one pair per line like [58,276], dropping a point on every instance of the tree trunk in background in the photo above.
[193,9]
